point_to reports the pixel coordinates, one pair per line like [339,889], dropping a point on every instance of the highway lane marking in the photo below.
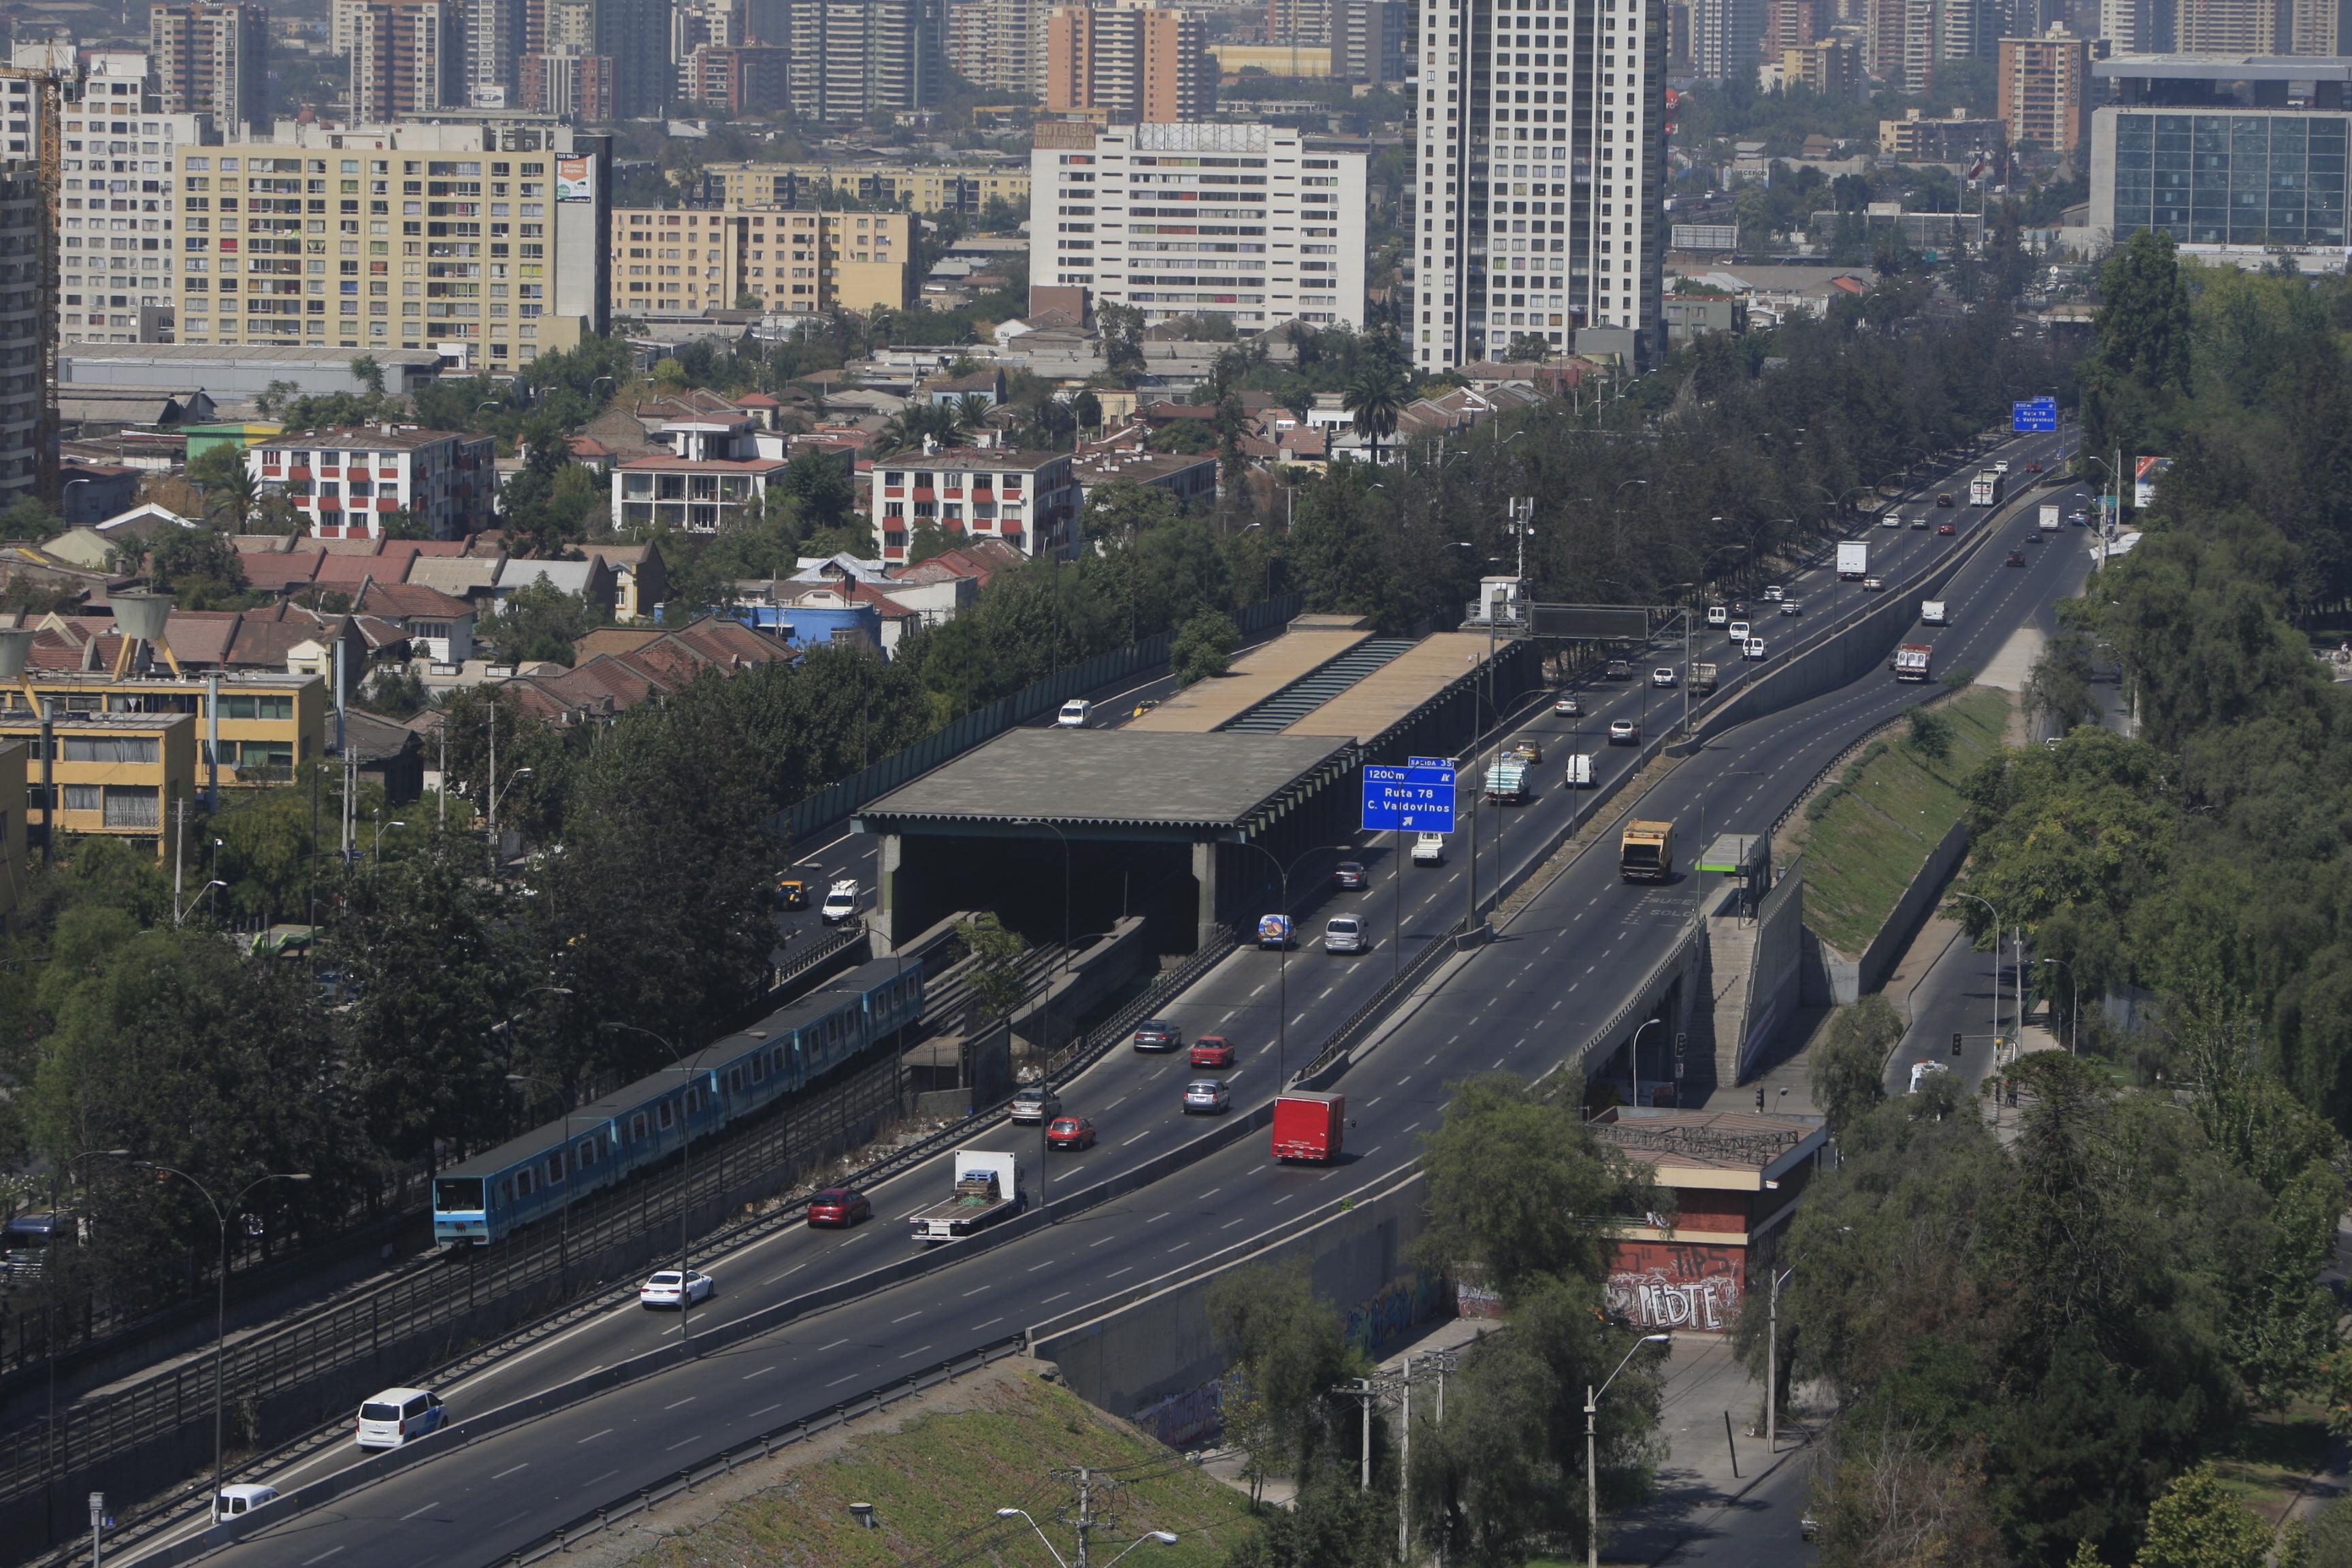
[321,1557]
[795,1269]
[1282,1199]
[1139,1137]
[502,1475]
[1117,1272]
[916,1313]
[608,1475]
[1104,1242]
[687,1400]
[913,1354]
[593,1435]
[837,1382]
[1047,1264]
[977,1289]
[1231,1223]
[428,1508]
[762,1411]
[1374,1101]
[598,1320]
[761,1373]
[1211,1193]
[1051,1300]
[674,1447]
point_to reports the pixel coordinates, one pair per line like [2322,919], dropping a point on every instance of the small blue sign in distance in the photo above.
[1446,763]
[1409,800]
[2037,415]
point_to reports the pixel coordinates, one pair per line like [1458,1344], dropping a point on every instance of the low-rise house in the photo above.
[640,579]
[693,496]
[589,581]
[1187,478]
[388,755]
[1026,500]
[89,493]
[439,626]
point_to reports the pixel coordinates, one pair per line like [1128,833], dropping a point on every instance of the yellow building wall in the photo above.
[172,777]
[285,716]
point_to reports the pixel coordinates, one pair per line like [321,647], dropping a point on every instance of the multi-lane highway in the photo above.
[1564,960]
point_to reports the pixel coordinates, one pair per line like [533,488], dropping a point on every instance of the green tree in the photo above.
[200,565]
[540,621]
[27,518]
[1204,648]
[1286,1356]
[998,987]
[369,373]
[2142,337]
[1849,1072]
[2199,1522]
[1376,397]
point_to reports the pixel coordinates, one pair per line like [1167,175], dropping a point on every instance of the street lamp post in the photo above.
[380,826]
[1591,1474]
[1085,1523]
[1282,993]
[220,1299]
[2074,1009]
[1633,1053]
[1973,897]
[179,912]
[1772,1366]
[496,791]
[685,1181]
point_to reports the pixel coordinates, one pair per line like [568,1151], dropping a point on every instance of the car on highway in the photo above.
[1946,530]
[1773,593]
[2001,465]
[1568,706]
[1717,615]
[1922,1071]
[792,892]
[840,902]
[2079,517]
[1276,931]
[1206,1094]
[2034,466]
[1738,631]
[843,1206]
[1211,1051]
[1158,1035]
[1892,519]
[1033,1104]
[1074,714]
[398,1415]
[663,1289]
[1753,648]
[1792,607]
[1349,875]
[236,1502]
[1920,522]
[1623,732]
[1873,584]
[1663,676]
[1344,933]
[1525,749]
[1944,500]
[2016,558]
[1738,608]
[1617,670]
[1073,1133]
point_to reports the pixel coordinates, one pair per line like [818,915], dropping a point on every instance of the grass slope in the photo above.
[1895,806]
[937,1482]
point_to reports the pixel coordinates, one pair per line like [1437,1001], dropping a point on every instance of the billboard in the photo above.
[2144,476]
[575,178]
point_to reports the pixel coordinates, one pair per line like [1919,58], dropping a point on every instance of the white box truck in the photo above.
[1853,560]
[1931,613]
[2049,520]
[987,1189]
[1580,770]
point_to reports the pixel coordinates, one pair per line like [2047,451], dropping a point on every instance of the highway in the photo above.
[1506,1000]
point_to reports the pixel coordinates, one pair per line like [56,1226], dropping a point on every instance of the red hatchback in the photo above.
[1213,1052]
[1070,1132]
[838,1206]
[1946,531]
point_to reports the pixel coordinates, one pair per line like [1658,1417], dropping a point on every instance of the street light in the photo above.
[685,1179]
[1773,1364]
[220,1299]
[1592,1475]
[380,826]
[1282,994]
[1159,1537]
[2074,1029]
[496,791]
[1633,1053]
[179,912]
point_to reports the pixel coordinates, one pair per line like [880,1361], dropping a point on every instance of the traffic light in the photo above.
[1759,1096]
[1956,1047]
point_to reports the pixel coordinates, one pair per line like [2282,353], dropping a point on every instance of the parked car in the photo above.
[1623,732]
[665,1288]
[1034,1103]
[1568,707]
[1212,1051]
[398,1415]
[236,1502]
[1946,530]
[1158,1035]
[1349,875]
[1206,1094]
[1073,1133]
[843,1206]
[1344,933]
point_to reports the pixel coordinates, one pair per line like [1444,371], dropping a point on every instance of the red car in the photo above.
[1070,1132]
[1213,1052]
[2034,467]
[838,1206]
[2016,558]
[1946,531]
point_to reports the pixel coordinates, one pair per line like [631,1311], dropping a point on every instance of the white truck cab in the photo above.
[1429,850]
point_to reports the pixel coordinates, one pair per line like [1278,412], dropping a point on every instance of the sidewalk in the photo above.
[1706,1469]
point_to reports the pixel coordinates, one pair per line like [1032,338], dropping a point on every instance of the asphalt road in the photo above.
[1505,1001]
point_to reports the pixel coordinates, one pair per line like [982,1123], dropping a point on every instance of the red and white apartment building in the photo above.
[345,480]
[1028,500]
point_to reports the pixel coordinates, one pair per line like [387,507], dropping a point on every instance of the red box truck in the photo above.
[1307,1125]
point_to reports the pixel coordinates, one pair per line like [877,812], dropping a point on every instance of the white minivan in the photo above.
[236,1502]
[1074,714]
[1343,933]
[398,1414]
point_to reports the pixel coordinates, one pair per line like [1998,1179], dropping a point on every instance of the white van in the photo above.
[1580,770]
[1074,714]
[236,1502]
[399,1415]
[1343,933]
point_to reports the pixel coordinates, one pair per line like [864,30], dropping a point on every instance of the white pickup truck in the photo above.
[987,1189]
[1429,850]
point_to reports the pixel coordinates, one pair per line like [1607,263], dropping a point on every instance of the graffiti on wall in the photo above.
[1182,1419]
[1678,1285]
[1472,1300]
[1402,1302]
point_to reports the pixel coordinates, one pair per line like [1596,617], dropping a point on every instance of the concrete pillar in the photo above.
[883,922]
[1205,873]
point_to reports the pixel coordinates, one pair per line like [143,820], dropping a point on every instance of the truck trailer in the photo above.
[1309,1126]
[1852,560]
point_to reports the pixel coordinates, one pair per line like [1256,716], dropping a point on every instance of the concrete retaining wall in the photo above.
[1837,981]
[1774,983]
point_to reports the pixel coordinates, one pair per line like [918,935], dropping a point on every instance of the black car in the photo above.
[2016,558]
[1349,874]
[1158,1035]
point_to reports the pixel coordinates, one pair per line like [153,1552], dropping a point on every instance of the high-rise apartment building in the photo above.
[2045,89]
[210,58]
[852,58]
[494,39]
[1792,24]
[999,44]
[635,34]
[488,244]
[694,23]
[1151,67]
[569,84]
[2136,27]
[1372,40]
[736,80]
[2314,26]
[2227,27]
[1831,68]
[1541,150]
[1727,38]
[1248,222]
[1904,40]
[118,278]
[28,428]
[1307,23]
[664,259]
[917,187]
[408,57]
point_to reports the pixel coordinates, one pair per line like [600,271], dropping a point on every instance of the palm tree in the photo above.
[972,411]
[1376,397]
[232,500]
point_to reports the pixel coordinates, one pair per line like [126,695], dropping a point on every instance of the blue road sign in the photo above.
[2039,414]
[1409,800]
[1446,763]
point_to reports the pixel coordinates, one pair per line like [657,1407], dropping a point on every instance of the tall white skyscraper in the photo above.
[1541,147]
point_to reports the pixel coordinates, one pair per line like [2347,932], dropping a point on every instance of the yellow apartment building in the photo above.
[917,189]
[13,867]
[690,260]
[117,776]
[268,722]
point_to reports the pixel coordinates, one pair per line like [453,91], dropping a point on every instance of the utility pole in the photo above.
[1405,1464]
[179,853]
[1085,1511]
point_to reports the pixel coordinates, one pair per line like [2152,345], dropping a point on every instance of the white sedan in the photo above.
[1569,706]
[663,1291]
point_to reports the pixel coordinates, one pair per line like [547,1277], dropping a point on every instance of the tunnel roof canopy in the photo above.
[1135,782]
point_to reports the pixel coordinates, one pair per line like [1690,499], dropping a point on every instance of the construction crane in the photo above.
[57,85]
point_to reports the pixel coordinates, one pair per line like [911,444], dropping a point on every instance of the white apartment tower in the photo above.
[1541,147]
[1245,221]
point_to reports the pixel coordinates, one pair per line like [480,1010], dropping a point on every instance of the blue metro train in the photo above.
[597,1146]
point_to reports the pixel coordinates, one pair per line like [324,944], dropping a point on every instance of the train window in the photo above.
[555,1170]
[759,1068]
[666,1114]
[776,1060]
[523,1183]
[638,1127]
[590,1151]
[734,1081]
[506,1191]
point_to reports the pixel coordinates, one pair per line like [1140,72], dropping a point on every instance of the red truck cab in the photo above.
[1308,1126]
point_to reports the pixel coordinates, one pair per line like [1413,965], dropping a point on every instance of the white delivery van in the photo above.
[1580,770]
[1074,714]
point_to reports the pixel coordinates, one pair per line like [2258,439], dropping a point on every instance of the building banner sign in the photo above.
[2145,473]
[575,178]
